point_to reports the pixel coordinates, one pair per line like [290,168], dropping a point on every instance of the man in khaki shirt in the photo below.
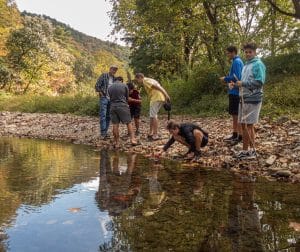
[158,96]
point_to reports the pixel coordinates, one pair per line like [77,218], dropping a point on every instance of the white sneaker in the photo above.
[246,155]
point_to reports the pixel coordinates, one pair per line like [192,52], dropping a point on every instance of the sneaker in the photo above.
[105,137]
[197,156]
[246,155]
[235,141]
[253,153]
[229,139]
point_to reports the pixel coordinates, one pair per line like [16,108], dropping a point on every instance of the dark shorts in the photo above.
[204,141]
[135,111]
[120,113]
[234,101]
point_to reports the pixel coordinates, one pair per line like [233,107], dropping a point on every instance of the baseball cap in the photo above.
[114,66]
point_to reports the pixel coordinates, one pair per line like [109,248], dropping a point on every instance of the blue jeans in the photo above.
[104,114]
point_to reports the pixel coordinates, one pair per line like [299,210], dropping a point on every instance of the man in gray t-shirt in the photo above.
[119,110]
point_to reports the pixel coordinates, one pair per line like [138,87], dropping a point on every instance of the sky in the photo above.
[87,16]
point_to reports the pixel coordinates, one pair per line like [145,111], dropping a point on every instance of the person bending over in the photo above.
[158,96]
[188,134]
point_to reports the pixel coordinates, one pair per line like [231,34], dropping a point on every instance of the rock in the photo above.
[297,148]
[228,159]
[271,160]
[293,133]
[296,178]
[282,119]
[274,169]
[284,173]
[294,165]
[294,122]
[283,160]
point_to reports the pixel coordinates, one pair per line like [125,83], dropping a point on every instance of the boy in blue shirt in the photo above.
[233,93]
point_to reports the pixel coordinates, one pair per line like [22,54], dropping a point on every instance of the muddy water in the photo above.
[60,197]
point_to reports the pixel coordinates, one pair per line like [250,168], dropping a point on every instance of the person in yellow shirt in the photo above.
[158,96]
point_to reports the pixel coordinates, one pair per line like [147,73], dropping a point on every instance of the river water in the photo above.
[62,197]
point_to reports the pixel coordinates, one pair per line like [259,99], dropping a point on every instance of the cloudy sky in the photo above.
[87,16]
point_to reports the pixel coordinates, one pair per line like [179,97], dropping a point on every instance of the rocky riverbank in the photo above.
[278,143]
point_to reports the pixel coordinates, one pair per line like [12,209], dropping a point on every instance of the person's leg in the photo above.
[181,140]
[137,124]
[251,112]
[102,114]
[154,115]
[246,139]
[239,130]
[235,124]
[155,127]
[107,116]
[198,139]
[151,127]
[116,135]
[130,133]
[125,118]
[251,132]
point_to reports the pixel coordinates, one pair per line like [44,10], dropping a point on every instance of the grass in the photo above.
[281,98]
[74,104]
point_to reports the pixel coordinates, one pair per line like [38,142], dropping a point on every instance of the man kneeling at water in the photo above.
[188,134]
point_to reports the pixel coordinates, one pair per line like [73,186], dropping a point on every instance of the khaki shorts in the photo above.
[249,113]
[154,108]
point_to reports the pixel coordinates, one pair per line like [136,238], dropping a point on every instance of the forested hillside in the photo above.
[41,55]
[183,45]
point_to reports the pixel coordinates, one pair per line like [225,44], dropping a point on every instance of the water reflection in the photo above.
[54,197]
[244,227]
[119,182]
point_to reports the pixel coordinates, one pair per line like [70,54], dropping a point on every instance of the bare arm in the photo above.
[134,100]
[161,89]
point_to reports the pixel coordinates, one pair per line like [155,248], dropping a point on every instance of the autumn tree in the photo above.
[28,51]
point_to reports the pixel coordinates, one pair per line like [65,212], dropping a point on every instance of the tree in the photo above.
[280,8]
[28,51]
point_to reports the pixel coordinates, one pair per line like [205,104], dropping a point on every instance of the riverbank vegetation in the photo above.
[46,66]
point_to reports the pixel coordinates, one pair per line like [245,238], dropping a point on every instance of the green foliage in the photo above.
[201,94]
[191,95]
[172,37]
[5,75]
[28,50]
[282,97]
[288,64]
[78,104]
[9,19]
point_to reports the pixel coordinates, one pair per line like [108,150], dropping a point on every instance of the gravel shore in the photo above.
[278,143]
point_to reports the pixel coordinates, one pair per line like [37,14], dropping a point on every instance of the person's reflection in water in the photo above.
[156,194]
[244,224]
[119,182]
